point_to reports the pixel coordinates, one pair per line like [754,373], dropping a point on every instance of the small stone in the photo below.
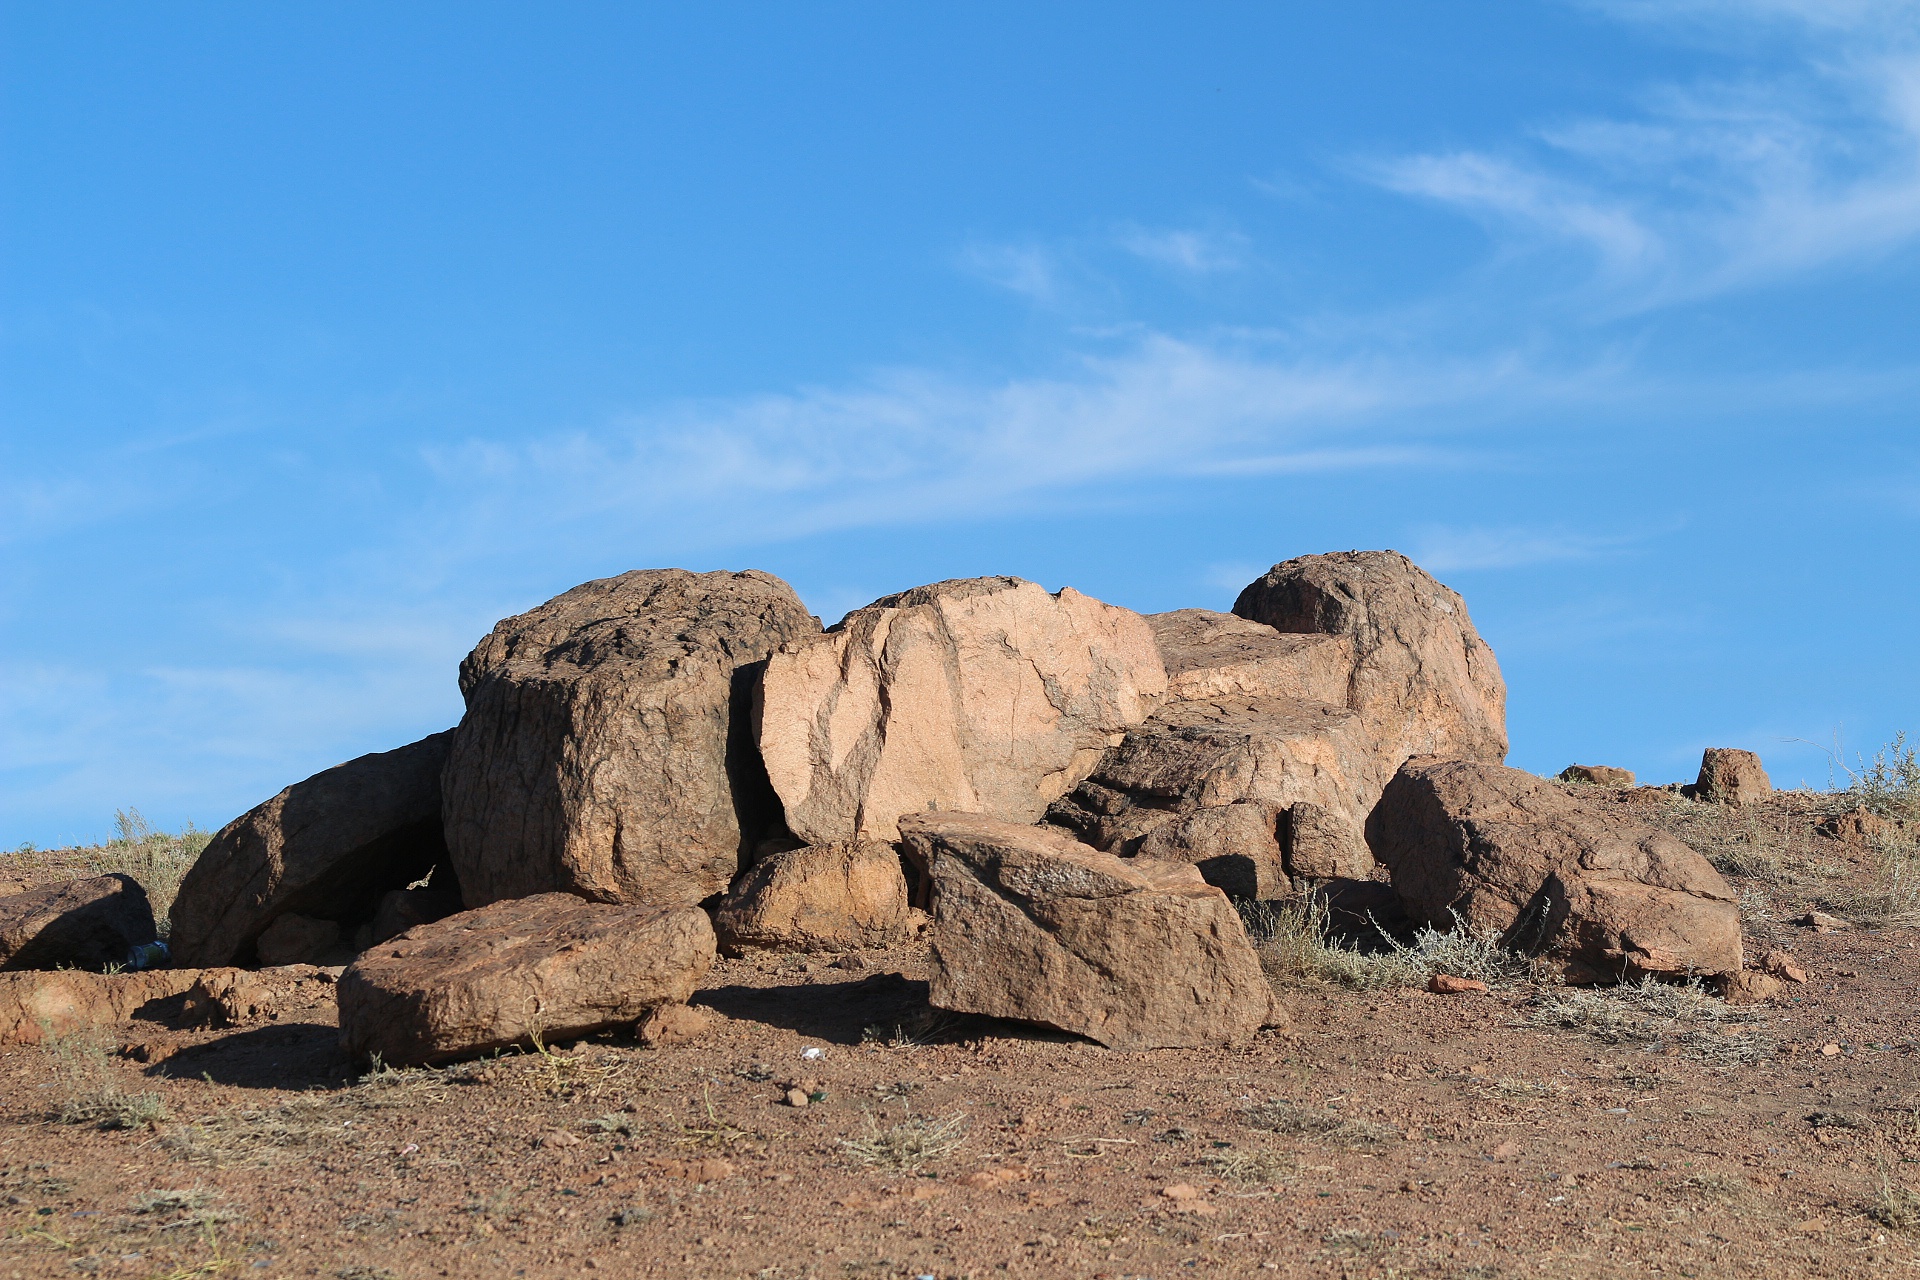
[1822,921]
[1829,1050]
[1444,984]
[672,1024]
[1781,965]
[796,1097]
[1751,986]
[1181,1191]
[1505,1151]
[559,1138]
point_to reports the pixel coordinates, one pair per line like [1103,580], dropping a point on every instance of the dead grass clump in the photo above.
[1295,940]
[913,1142]
[1714,1186]
[1889,784]
[157,859]
[90,1086]
[1895,1204]
[917,1030]
[1749,842]
[1291,1120]
[1659,1014]
[1255,1167]
[1891,895]
[257,1137]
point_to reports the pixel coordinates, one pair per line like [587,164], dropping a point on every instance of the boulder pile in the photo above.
[1061,797]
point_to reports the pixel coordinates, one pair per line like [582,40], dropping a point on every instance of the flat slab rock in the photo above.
[83,924]
[551,965]
[981,695]
[821,898]
[36,1006]
[606,749]
[1030,924]
[1215,655]
[1513,856]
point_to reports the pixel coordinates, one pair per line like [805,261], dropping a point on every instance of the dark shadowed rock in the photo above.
[981,695]
[82,924]
[326,848]
[1729,775]
[1423,680]
[821,898]
[1134,953]
[402,909]
[1510,855]
[606,749]
[297,939]
[1235,847]
[552,966]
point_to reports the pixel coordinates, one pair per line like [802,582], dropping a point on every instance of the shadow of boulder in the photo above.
[282,1055]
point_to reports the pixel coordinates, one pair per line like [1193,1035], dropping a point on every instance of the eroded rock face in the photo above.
[606,748]
[551,965]
[1195,756]
[1610,897]
[41,1005]
[1028,923]
[821,898]
[977,695]
[82,924]
[1729,775]
[1220,655]
[1423,680]
[1600,775]
[326,848]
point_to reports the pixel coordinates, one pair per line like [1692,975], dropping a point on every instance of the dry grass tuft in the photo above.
[1659,1014]
[1262,1168]
[157,859]
[1895,1204]
[1292,1120]
[908,1145]
[1295,940]
[91,1089]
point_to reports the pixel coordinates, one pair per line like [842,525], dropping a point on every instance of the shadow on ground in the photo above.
[289,1055]
[884,1006]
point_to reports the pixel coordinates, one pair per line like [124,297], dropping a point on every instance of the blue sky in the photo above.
[329,334]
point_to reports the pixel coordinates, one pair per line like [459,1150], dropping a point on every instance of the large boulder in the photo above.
[326,848]
[606,748]
[1030,924]
[551,966]
[46,1005]
[821,898]
[81,924]
[1511,856]
[978,695]
[1731,776]
[1222,655]
[1214,782]
[1423,680]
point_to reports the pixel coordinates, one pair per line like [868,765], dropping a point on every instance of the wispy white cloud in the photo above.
[1449,549]
[1032,271]
[1194,251]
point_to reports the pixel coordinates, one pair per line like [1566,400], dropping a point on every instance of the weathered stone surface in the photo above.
[235,997]
[402,909]
[297,939]
[1600,775]
[1751,986]
[1423,680]
[1134,953]
[673,1024]
[606,748]
[977,695]
[1221,655]
[1197,755]
[820,898]
[551,965]
[1235,847]
[47,1004]
[1587,884]
[82,924]
[1323,843]
[1731,776]
[326,848]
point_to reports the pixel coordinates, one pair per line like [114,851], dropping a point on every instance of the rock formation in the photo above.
[606,748]
[552,966]
[325,848]
[1134,953]
[1731,776]
[81,924]
[821,898]
[977,695]
[1511,856]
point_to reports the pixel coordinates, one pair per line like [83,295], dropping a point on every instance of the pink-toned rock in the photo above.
[606,749]
[1751,986]
[1445,984]
[551,966]
[1512,856]
[327,848]
[1729,775]
[672,1024]
[83,924]
[1323,843]
[1235,847]
[1134,953]
[976,695]
[820,898]
[1782,965]
[1221,655]
[48,1004]
[1423,680]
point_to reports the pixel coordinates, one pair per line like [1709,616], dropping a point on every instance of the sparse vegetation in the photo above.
[90,1088]
[1293,1120]
[1686,1016]
[1256,1167]
[1296,940]
[157,859]
[1895,1204]
[1889,784]
[1892,896]
[908,1145]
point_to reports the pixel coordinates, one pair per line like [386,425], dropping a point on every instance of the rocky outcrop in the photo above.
[82,924]
[45,1005]
[1423,680]
[1600,775]
[1134,953]
[326,848]
[552,966]
[978,695]
[1731,776]
[1261,756]
[606,748]
[1220,655]
[1509,855]
[831,897]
